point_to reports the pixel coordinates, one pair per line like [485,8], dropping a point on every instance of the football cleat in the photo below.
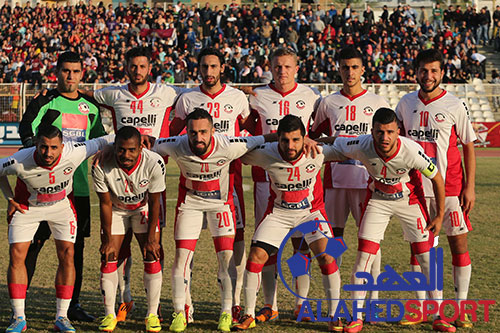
[124,310]
[225,322]
[442,326]
[246,322]
[236,313]
[63,324]
[415,321]
[296,314]
[108,323]
[153,323]
[17,326]
[266,314]
[335,326]
[354,326]
[178,323]
[189,313]
[466,323]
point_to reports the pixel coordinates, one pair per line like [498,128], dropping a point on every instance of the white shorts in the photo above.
[454,221]
[378,212]
[276,225]
[340,201]
[123,220]
[189,222]
[261,200]
[60,216]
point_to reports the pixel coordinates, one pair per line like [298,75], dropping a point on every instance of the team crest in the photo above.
[154,102]
[68,170]
[400,171]
[228,108]
[144,183]
[83,108]
[368,111]
[221,162]
[310,168]
[300,104]
[439,117]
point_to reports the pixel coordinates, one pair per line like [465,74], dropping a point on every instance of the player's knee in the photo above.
[260,252]
[458,244]
[66,255]
[324,259]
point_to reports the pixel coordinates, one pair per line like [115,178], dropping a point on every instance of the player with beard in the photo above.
[268,105]
[437,120]
[44,181]
[205,193]
[296,197]
[229,109]
[396,165]
[129,185]
[145,106]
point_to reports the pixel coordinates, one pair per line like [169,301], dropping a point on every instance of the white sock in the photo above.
[18,307]
[364,261]
[180,275]
[189,278]
[461,278]
[226,275]
[302,283]
[251,281]
[375,272]
[109,283]
[424,261]
[420,294]
[62,306]
[240,259]
[331,283]
[152,284]
[124,267]
[269,285]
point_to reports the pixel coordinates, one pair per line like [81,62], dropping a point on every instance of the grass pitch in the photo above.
[40,303]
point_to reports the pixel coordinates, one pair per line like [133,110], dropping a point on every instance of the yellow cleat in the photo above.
[178,323]
[108,323]
[153,323]
[466,323]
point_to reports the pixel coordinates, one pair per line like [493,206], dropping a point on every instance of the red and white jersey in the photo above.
[341,115]
[129,188]
[294,186]
[226,107]
[147,112]
[437,125]
[392,178]
[42,186]
[271,105]
[204,181]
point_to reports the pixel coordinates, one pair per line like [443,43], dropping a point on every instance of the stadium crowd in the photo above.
[33,36]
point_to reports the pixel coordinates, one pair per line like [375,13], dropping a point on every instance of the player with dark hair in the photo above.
[296,197]
[395,189]
[44,181]
[129,186]
[229,109]
[205,192]
[77,115]
[347,113]
[438,121]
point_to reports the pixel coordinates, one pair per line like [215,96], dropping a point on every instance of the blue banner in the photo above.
[9,134]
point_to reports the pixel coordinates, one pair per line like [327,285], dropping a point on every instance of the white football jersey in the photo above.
[437,125]
[41,186]
[294,186]
[394,177]
[147,112]
[226,107]
[341,115]
[129,188]
[204,180]
[270,106]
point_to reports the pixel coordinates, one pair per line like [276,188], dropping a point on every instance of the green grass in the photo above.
[483,246]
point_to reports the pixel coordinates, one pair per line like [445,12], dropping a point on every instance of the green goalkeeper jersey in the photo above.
[78,119]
